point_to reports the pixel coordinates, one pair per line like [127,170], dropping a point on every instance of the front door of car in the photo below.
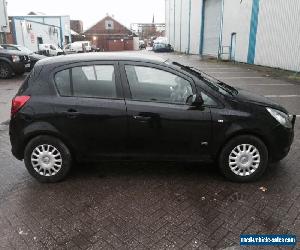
[99,113]
[161,123]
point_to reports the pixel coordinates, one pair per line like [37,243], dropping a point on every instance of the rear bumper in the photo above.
[16,140]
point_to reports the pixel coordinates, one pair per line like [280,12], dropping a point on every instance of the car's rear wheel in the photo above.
[47,159]
[243,159]
[5,70]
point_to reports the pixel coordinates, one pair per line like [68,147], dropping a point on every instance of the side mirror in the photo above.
[195,100]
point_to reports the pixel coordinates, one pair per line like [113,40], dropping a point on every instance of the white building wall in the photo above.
[236,19]
[278,30]
[28,38]
[170,18]
[196,19]
[45,19]
[177,25]
[4,26]
[186,18]
[167,19]
[59,21]
[185,7]
[278,34]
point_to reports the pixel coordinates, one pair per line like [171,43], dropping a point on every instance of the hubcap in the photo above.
[46,160]
[244,159]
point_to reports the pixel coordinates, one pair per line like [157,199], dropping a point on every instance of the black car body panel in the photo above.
[123,127]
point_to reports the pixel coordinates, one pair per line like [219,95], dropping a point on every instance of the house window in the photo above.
[109,25]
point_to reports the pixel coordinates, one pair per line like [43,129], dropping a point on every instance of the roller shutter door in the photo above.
[212,26]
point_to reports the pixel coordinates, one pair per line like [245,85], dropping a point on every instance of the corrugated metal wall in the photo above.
[184,36]
[185,23]
[196,19]
[278,34]
[274,24]
[178,29]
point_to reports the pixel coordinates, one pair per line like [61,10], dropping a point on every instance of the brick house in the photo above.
[109,35]
[77,26]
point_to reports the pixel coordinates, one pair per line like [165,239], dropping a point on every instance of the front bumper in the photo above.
[18,67]
[281,141]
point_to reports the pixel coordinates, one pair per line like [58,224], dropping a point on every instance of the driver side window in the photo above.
[151,84]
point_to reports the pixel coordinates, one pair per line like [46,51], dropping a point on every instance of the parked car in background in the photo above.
[94,48]
[162,47]
[34,57]
[131,106]
[50,50]
[78,47]
[13,62]
[142,44]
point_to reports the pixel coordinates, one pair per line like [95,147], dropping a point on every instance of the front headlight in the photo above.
[15,58]
[281,117]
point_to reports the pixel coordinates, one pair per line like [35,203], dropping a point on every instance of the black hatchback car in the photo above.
[128,106]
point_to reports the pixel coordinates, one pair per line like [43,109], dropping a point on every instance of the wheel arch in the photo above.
[5,60]
[242,133]
[40,129]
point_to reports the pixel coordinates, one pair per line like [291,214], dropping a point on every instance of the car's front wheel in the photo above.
[47,159]
[243,159]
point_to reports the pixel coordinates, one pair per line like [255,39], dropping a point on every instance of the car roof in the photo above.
[102,56]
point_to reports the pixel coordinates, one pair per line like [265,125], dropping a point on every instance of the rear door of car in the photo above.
[98,117]
[161,124]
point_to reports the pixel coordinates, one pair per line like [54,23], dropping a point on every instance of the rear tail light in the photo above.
[18,102]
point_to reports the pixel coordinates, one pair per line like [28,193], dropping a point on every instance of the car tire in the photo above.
[47,159]
[5,70]
[243,159]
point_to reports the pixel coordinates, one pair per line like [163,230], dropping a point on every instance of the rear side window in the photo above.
[62,80]
[87,81]
[94,81]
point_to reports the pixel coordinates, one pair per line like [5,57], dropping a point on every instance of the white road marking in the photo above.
[203,68]
[267,84]
[228,72]
[244,77]
[271,84]
[284,96]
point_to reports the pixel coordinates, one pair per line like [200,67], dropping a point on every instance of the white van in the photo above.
[50,49]
[78,47]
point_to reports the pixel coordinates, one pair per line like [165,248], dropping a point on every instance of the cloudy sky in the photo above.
[91,11]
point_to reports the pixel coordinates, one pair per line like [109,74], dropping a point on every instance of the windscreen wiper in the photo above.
[217,81]
[207,77]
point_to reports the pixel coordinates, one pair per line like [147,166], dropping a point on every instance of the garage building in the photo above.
[110,35]
[32,30]
[263,32]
